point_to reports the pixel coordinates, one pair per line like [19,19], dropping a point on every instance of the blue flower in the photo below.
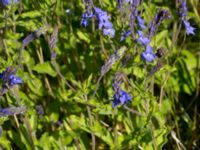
[182,10]
[13,80]
[7,2]
[121,97]
[148,54]
[189,28]
[9,78]
[142,39]
[103,22]
[141,22]
[125,35]
[102,18]
[85,18]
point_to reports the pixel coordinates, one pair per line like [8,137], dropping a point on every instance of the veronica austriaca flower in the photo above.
[182,11]
[148,54]
[103,22]
[120,96]
[7,2]
[9,78]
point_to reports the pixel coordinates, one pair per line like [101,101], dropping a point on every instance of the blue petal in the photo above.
[14,80]
[2,74]
[148,54]
[189,28]
[109,31]
[121,97]
[142,39]
[115,103]
[103,22]
[141,22]
[85,18]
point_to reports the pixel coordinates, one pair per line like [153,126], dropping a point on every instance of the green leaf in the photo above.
[83,36]
[45,68]
[31,14]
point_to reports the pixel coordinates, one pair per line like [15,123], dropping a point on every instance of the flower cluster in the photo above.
[134,16]
[182,11]
[103,22]
[148,54]
[131,9]
[102,18]
[9,80]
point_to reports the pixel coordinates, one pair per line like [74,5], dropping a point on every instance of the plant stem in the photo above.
[91,124]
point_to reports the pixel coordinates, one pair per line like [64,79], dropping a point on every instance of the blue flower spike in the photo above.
[182,11]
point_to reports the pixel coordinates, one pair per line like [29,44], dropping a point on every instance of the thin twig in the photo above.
[169,72]
[133,111]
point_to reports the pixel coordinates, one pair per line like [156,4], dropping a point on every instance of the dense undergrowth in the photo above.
[100,74]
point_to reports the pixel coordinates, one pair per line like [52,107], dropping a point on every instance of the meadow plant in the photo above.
[99,74]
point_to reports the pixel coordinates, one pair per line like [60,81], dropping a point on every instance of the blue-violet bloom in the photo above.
[7,2]
[142,39]
[148,54]
[141,22]
[182,10]
[9,78]
[103,22]
[189,28]
[121,97]
[85,18]
[109,31]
